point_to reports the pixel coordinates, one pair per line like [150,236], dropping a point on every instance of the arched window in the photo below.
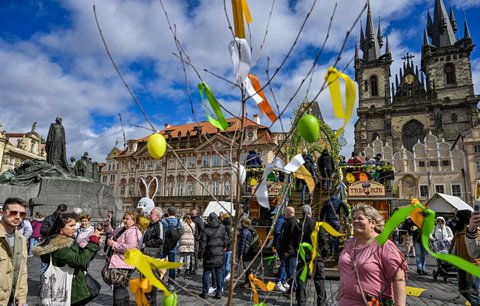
[375,136]
[449,70]
[412,131]
[374,86]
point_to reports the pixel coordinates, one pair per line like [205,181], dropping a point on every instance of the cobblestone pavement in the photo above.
[439,292]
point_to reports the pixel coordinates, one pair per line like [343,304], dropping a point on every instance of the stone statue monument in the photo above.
[55,146]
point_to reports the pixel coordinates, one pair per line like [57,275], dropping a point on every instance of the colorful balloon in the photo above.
[350,178]
[308,128]
[170,300]
[156,145]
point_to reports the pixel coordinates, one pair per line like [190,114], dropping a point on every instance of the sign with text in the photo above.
[365,189]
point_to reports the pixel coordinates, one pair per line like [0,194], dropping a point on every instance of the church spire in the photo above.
[362,37]
[387,49]
[453,22]
[425,38]
[379,35]
[429,24]
[465,29]
[443,33]
[371,48]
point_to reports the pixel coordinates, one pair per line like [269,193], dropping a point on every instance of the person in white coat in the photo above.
[441,236]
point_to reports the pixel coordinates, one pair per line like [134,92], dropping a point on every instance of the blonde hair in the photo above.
[372,214]
[132,215]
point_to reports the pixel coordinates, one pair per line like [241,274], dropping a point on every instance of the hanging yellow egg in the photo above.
[156,145]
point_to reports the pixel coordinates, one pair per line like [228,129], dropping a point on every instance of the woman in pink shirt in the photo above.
[367,270]
[124,238]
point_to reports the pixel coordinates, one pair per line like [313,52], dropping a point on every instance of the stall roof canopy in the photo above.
[444,203]
[217,207]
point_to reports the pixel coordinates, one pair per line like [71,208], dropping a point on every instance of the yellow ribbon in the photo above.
[139,287]
[303,174]
[255,281]
[246,12]
[144,264]
[334,86]
[314,237]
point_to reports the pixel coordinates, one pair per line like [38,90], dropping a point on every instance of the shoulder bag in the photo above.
[56,285]
[114,276]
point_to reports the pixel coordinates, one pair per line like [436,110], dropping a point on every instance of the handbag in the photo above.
[114,276]
[93,286]
[56,285]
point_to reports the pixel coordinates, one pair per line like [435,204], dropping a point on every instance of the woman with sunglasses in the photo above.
[121,240]
[61,248]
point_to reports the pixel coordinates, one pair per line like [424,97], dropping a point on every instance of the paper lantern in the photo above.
[308,128]
[156,145]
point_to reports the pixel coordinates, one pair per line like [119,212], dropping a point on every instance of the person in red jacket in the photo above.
[36,236]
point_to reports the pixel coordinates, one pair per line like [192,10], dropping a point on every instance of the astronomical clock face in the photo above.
[409,79]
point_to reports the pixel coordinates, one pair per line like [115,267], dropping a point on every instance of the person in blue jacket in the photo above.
[332,210]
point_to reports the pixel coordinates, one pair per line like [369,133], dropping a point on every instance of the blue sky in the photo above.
[53,63]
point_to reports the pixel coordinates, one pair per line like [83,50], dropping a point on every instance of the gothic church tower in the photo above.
[436,98]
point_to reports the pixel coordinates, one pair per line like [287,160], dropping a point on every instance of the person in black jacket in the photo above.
[245,252]
[228,254]
[326,167]
[49,220]
[305,229]
[332,210]
[213,241]
[310,165]
[198,231]
[288,244]
[153,246]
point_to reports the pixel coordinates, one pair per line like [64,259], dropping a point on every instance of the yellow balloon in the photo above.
[156,145]
[350,178]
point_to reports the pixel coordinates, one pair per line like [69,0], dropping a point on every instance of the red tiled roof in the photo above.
[207,128]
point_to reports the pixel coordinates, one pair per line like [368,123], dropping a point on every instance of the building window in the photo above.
[104,179]
[445,163]
[217,161]
[190,189]
[205,188]
[476,148]
[440,188]
[477,166]
[366,86]
[206,161]
[433,163]
[456,190]
[122,190]
[180,189]
[374,85]
[112,178]
[226,188]
[170,190]
[421,164]
[192,160]
[449,70]
[215,187]
[424,191]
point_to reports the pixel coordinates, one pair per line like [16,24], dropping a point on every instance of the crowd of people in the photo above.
[368,272]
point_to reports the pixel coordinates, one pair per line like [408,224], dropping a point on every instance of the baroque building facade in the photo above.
[17,147]
[438,98]
[207,155]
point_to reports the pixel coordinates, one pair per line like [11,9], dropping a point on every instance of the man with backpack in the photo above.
[247,246]
[173,230]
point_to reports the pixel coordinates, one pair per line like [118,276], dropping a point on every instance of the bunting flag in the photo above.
[252,85]
[255,281]
[339,111]
[144,264]
[426,229]
[221,123]
[241,59]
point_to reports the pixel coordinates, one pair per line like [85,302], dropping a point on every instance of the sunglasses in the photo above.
[14,213]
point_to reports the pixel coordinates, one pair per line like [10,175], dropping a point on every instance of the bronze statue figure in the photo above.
[55,146]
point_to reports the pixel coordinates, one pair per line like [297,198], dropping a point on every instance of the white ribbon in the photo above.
[262,189]
[241,59]
[243,173]
[251,91]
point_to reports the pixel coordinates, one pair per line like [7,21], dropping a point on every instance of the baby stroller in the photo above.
[444,269]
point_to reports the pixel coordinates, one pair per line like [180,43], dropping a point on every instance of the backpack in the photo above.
[172,235]
[254,243]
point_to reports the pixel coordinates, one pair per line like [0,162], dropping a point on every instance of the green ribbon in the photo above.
[270,259]
[260,304]
[427,227]
[221,123]
[303,245]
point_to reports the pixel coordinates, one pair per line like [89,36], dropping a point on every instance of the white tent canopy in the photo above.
[217,207]
[444,203]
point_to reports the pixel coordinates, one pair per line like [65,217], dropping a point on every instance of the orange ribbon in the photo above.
[255,90]
[255,281]
[139,287]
